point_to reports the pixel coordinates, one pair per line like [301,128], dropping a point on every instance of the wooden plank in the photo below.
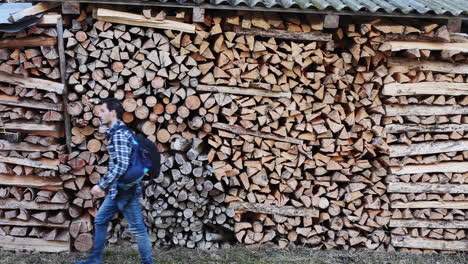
[30,126]
[34,10]
[403,128]
[114,16]
[403,45]
[20,102]
[27,42]
[455,166]
[23,146]
[425,110]
[43,163]
[240,130]
[284,34]
[403,187]
[274,209]
[242,91]
[425,223]
[425,243]
[43,183]
[29,205]
[61,51]
[33,222]
[431,204]
[33,244]
[437,66]
[402,150]
[48,20]
[442,88]
[29,82]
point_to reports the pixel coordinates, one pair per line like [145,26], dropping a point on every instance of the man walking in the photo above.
[126,201]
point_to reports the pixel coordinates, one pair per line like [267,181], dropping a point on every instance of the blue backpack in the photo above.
[145,162]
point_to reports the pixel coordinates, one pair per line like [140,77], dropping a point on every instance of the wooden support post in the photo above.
[198,14]
[71,8]
[61,50]
[454,25]
[331,21]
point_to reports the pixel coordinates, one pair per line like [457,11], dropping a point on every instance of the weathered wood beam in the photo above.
[402,150]
[402,187]
[425,223]
[12,203]
[34,10]
[425,243]
[33,244]
[274,209]
[43,163]
[29,82]
[33,222]
[284,34]
[114,16]
[452,166]
[61,51]
[27,42]
[431,204]
[403,45]
[240,130]
[425,110]
[23,146]
[437,66]
[442,88]
[26,181]
[403,128]
[242,91]
[20,102]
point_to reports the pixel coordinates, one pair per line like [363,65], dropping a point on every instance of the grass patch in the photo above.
[128,254]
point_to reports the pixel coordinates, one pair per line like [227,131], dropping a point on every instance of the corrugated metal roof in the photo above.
[422,7]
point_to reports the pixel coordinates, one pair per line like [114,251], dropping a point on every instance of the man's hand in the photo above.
[97,192]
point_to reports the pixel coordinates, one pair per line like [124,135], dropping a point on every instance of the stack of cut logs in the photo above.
[152,71]
[426,98]
[299,143]
[33,204]
[182,205]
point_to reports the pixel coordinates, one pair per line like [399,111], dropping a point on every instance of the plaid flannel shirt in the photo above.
[120,150]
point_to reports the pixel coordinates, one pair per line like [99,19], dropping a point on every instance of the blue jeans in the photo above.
[129,205]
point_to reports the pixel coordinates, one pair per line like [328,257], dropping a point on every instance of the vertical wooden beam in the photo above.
[71,8]
[61,49]
[454,25]
[331,21]
[198,14]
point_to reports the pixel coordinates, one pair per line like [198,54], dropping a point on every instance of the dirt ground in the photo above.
[128,254]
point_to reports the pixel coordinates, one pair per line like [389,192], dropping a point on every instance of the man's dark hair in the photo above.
[114,104]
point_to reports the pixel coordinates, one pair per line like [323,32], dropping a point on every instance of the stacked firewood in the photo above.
[427,123]
[154,75]
[33,202]
[299,143]
[183,206]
